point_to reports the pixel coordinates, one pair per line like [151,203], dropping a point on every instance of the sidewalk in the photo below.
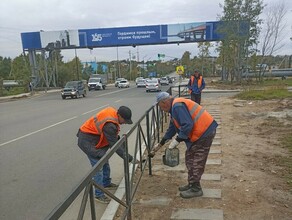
[26,95]
[157,196]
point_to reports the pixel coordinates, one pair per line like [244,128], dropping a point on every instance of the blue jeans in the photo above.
[102,177]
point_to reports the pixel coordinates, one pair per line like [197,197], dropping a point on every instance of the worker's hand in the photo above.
[173,144]
[135,161]
[155,149]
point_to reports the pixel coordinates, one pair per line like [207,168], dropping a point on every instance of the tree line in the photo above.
[237,53]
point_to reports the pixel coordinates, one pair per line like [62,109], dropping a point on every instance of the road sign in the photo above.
[180,70]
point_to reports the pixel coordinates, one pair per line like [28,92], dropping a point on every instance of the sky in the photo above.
[19,16]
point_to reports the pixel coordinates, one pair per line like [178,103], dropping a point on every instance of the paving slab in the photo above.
[216,143]
[180,167]
[156,201]
[213,162]
[215,151]
[213,177]
[197,214]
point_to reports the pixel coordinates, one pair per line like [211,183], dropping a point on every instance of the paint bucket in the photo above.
[171,157]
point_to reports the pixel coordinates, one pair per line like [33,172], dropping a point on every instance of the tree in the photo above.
[272,34]
[204,55]
[5,67]
[186,61]
[238,15]
[20,70]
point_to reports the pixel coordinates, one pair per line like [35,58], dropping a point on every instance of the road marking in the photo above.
[95,109]
[37,131]
[119,100]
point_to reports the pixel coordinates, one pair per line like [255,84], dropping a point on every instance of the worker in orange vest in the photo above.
[194,126]
[195,85]
[96,136]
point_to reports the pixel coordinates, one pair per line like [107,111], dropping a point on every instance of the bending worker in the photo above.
[197,128]
[196,84]
[96,136]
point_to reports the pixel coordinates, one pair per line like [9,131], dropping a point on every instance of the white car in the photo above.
[124,84]
[141,83]
[117,81]
[153,85]
[164,81]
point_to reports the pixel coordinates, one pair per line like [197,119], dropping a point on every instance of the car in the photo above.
[153,85]
[141,83]
[124,84]
[73,89]
[96,84]
[164,81]
[138,78]
[117,81]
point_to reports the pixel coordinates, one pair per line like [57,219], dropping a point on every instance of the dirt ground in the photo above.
[255,172]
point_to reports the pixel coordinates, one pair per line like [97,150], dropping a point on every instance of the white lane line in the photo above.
[119,100]
[94,109]
[37,131]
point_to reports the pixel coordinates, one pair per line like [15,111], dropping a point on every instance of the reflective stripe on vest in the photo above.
[201,118]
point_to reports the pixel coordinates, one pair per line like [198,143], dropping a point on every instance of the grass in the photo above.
[14,91]
[265,94]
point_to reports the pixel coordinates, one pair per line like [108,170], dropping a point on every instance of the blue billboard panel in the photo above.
[107,37]
[123,36]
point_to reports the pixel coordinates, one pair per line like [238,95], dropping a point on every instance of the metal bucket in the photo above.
[171,157]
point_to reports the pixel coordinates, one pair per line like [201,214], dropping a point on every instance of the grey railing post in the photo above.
[127,178]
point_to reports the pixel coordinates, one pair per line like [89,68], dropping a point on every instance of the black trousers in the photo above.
[196,98]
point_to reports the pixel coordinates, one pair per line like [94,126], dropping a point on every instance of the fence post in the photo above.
[127,178]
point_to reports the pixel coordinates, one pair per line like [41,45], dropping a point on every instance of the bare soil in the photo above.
[256,169]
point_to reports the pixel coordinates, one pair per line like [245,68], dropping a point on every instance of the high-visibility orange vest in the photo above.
[94,125]
[201,118]
[198,80]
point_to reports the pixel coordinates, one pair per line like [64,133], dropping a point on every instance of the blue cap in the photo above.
[161,96]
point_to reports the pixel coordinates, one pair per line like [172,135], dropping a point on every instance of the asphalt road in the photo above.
[40,162]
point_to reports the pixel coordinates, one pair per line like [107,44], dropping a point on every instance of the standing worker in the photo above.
[196,84]
[96,136]
[197,128]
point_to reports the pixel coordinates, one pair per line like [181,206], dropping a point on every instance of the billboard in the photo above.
[122,36]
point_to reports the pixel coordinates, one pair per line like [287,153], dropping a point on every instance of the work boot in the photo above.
[102,199]
[195,190]
[184,188]
[112,186]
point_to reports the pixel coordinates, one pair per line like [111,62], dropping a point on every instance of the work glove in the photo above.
[173,144]
[155,149]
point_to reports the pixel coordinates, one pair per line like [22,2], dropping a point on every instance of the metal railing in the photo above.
[145,139]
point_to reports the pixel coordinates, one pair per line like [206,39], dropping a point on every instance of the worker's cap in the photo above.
[126,114]
[161,96]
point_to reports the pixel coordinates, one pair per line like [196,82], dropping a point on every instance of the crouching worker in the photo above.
[96,136]
[197,128]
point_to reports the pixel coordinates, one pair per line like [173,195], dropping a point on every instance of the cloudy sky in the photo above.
[18,16]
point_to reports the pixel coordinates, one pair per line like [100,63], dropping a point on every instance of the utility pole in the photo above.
[130,56]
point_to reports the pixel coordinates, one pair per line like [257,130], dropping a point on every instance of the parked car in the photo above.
[73,89]
[117,81]
[164,81]
[124,84]
[141,83]
[153,85]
